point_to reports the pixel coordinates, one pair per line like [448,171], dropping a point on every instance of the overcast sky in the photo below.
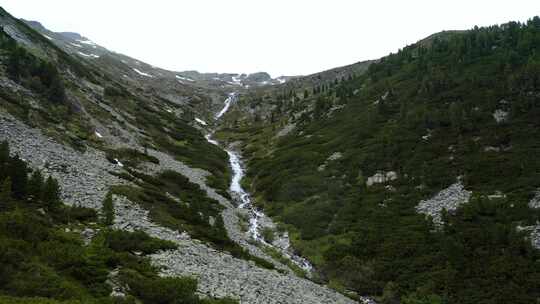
[282,37]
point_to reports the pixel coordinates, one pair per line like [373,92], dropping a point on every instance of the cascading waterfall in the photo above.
[255,215]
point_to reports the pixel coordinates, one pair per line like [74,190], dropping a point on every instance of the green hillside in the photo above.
[459,105]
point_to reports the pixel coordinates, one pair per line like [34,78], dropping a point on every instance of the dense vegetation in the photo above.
[427,113]
[35,73]
[44,260]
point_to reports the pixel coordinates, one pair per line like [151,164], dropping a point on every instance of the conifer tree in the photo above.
[35,185]
[18,171]
[108,210]
[51,193]
[5,194]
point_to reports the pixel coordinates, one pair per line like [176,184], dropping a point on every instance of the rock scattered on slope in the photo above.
[448,199]
[218,273]
[85,178]
[381,177]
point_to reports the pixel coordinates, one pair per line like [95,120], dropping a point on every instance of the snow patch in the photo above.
[202,122]
[88,42]
[76,45]
[184,78]
[88,55]
[143,73]
[47,37]
[118,162]
[98,134]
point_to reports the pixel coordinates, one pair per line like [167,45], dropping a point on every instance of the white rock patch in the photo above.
[286,130]
[381,178]
[448,199]
[535,201]
[500,116]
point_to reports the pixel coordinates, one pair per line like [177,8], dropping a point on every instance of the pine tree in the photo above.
[4,158]
[35,185]
[5,194]
[18,171]
[51,193]
[108,210]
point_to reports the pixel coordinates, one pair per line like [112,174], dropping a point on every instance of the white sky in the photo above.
[282,37]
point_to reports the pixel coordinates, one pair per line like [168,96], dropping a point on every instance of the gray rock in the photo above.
[448,199]
[381,178]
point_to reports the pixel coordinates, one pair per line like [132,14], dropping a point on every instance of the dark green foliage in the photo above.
[50,195]
[136,241]
[130,157]
[108,210]
[6,196]
[370,239]
[40,76]
[163,290]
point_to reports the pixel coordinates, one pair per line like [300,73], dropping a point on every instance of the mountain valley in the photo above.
[413,178]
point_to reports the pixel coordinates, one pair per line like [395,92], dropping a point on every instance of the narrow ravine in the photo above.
[243,201]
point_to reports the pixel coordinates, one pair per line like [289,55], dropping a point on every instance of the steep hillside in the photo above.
[110,191]
[415,181]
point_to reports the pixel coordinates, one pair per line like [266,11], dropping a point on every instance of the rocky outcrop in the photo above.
[500,116]
[534,203]
[286,130]
[381,178]
[448,199]
[333,157]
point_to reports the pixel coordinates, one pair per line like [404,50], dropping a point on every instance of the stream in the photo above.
[257,219]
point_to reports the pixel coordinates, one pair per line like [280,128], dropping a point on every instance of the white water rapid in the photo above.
[256,216]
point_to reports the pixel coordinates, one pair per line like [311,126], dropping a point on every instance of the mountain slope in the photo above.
[450,123]
[146,201]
